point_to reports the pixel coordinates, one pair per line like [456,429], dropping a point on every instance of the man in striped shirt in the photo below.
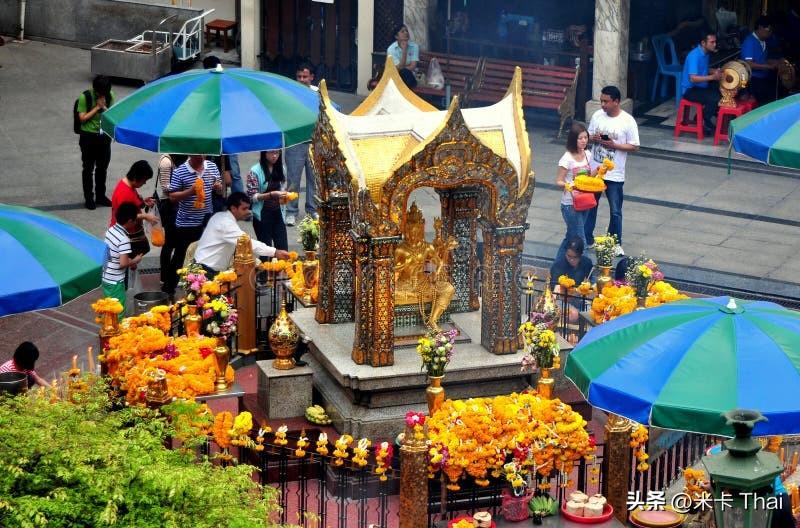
[189,220]
[118,253]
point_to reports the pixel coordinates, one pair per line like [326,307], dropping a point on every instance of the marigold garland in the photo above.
[480,433]
[280,435]
[107,304]
[200,194]
[340,453]
[302,443]
[226,276]
[618,300]
[696,480]
[322,444]
[566,282]
[223,422]
[589,183]
[360,452]
[383,459]
[639,436]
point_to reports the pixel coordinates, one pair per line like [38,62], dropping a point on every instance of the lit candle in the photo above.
[795,456]
[795,497]
[75,362]
[782,455]
[90,358]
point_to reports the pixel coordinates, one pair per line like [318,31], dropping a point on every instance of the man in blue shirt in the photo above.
[698,84]
[763,81]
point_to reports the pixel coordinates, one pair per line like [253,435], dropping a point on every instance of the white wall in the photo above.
[364,36]
[224,9]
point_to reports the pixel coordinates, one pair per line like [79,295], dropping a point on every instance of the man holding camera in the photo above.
[614,133]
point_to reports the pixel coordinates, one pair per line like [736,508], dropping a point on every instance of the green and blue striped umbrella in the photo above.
[682,364]
[46,261]
[215,112]
[770,133]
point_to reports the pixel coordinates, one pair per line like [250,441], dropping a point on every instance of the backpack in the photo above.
[76,120]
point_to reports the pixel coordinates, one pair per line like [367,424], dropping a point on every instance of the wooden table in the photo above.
[220,27]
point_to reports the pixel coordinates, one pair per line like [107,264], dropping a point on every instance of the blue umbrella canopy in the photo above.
[682,364]
[215,112]
[46,261]
[770,133]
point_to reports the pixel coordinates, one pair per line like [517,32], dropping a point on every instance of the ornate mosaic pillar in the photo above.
[245,265]
[460,219]
[374,303]
[500,314]
[413,482]
[617,461]
[337,262]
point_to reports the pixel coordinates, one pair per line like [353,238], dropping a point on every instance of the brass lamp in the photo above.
[743,475]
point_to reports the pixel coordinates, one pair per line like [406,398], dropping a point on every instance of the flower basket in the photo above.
[515,509]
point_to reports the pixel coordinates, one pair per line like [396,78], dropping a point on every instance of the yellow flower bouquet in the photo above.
[541,346]
[586,183]
[604,249]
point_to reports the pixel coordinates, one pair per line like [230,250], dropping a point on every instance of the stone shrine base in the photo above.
[370,401]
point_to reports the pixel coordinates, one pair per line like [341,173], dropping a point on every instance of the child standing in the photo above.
[118,256]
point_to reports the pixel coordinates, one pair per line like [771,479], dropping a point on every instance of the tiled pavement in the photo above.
[737,231]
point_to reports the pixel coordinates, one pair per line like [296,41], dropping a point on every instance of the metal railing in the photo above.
[668,465]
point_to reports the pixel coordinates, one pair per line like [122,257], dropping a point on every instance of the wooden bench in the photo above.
[546,87]
[221,28]
[458,71]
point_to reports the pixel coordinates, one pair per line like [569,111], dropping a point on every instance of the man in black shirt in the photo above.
[575,266]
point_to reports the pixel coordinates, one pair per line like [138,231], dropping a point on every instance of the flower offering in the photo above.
[541,346]
[604,248]
[436,350]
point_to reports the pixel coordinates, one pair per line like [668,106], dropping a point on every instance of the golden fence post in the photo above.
[413,482]
[245,266]
[617,460]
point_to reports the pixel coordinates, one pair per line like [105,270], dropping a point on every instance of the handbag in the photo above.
[583,201]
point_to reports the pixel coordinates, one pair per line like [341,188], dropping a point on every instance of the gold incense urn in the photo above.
[283,338]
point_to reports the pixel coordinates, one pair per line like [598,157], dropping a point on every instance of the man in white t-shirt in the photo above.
[614,133]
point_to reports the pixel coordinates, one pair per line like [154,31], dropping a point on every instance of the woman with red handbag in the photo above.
[574,204]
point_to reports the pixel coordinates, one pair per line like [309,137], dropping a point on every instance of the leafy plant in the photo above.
[309,233]
[84,465]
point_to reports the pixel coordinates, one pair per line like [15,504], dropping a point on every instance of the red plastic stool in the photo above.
[724,116]
[681,125]
[748,104]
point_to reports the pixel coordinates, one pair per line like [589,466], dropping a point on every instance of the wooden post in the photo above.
[617,460]
[245,266]
[413,482]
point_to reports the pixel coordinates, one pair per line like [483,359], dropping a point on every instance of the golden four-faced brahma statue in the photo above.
[420,271]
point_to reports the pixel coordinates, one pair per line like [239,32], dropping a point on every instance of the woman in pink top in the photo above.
[24,360]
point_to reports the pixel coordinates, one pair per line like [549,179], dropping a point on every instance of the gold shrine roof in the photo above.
[390,126]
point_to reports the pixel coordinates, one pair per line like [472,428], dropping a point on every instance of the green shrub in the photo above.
[84,465]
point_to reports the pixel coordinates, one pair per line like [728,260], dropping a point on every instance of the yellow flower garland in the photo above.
[480,433]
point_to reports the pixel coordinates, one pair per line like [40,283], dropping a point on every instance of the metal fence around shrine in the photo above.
[313,491]
[668,460]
